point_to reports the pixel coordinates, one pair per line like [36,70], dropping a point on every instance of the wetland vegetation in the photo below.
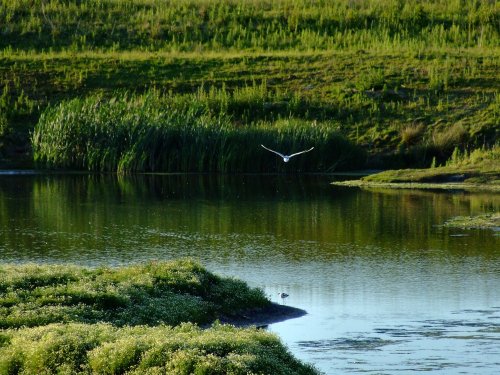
[132,319]
[404,83]
[101,348]
[156,293]
[197,86]
[479,169]
[486,221]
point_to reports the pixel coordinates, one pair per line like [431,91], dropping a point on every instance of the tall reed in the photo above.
[151,132]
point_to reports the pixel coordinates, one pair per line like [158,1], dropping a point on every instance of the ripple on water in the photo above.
[359,344]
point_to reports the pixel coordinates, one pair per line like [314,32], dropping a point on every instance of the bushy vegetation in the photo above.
[105,349]
[156,293]
[407,81]
[57,319]
[191,133]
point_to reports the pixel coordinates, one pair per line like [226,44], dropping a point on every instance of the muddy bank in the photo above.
[262,317]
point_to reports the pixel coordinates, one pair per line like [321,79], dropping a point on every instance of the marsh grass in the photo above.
[190,133]
[412,134]
[151,294]
[105,349]
[448,139]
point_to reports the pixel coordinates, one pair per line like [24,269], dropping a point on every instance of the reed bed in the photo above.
[189,133]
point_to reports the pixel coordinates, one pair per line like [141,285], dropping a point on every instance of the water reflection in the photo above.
[91,214]
[387,288]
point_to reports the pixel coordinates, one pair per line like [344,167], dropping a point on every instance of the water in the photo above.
[388,290]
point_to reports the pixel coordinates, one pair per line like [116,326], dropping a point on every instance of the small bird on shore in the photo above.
[286,158]
[282,295]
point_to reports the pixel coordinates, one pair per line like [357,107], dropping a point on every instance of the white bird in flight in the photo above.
[286,158]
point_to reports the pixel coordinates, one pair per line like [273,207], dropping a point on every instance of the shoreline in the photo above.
[495,188]
[262,317]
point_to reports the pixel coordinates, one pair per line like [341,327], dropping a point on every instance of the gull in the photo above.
[286,158]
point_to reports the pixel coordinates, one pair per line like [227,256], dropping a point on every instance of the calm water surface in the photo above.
[388,290]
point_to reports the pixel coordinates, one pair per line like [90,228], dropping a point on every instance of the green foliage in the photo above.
[412,134]
[479,166]
[155,293]
[190,133]
[448,139]
[198,25]
[104,349]
[480,157]
[113,321]
[433,163]
[365,68]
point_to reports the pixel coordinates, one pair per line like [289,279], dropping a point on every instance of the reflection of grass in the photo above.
[420,185]
[469,222]
[104,349]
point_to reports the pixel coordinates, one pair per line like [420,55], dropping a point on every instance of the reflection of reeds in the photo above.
[154,133]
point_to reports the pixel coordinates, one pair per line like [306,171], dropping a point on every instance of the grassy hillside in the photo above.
[406,82]
[197,25]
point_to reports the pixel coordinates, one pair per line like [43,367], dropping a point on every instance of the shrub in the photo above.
[443,141]
[155,293]
[104,349]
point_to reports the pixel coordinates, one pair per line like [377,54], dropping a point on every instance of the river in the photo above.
[387,288]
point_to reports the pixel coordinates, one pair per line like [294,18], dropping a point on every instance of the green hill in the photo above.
[404,83]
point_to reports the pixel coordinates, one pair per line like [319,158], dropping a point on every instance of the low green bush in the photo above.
[105,349]
[155,293]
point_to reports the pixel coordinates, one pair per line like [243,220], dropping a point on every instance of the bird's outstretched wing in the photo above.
[276,152]
[301,152]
